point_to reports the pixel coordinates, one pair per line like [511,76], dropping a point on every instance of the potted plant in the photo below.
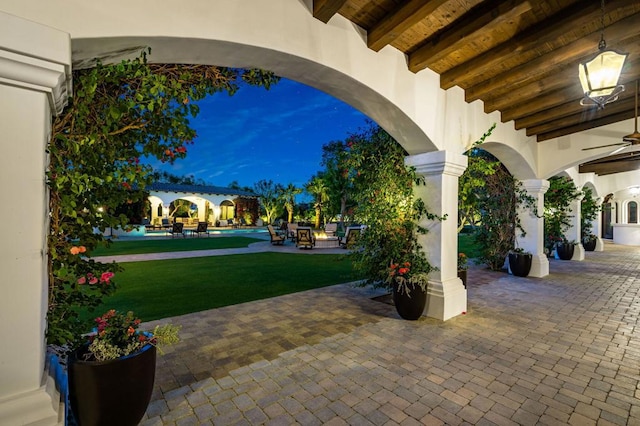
[111,376]
[409,289]
[520,262]
[565,249]
[557,216]
[589,209]
[463,266]
[489,197]
[388,254]
[589,242]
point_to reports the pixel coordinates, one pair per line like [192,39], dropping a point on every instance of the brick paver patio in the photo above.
[555,350]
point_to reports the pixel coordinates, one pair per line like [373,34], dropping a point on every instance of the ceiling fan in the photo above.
[630,139]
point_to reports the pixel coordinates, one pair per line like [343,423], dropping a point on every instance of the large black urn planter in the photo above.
[589,244]
[520,264]
[565,250]
[115,392]
[409,306]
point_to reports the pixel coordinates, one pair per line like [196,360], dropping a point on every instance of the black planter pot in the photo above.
[520,264]
[462,274]
[589,245]
[115,392]
[565,251]
[410,306]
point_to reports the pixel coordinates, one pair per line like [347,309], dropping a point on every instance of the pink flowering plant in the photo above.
[117,335]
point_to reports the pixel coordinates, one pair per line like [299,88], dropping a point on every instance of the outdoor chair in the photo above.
[275,237]
[201,229]
[350,237]
[177,229]
[291,230]
[304,238]
[166,225]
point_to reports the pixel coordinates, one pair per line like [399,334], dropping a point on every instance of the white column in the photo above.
[35,75]
[446,295]
[574,232]
[596,226]
[533,226]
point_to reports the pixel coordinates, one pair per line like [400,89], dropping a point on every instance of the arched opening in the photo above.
[607,224]
[632,212]
[227,210]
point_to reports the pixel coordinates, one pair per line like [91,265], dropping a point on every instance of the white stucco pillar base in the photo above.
[446,295]
[539,266]
[34,71]
[578,252]
[599,245]
[533,226]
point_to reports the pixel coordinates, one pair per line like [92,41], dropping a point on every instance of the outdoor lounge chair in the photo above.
[304,238]
[291,230]
[275,237]
[201,229]
[351,235]
[177,229]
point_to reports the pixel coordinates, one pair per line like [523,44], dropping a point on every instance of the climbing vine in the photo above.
[118,115]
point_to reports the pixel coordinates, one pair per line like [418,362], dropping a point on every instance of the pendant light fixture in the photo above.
[599,76]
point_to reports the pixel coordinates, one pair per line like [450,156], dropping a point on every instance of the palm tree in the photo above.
[288,197]
[318,189]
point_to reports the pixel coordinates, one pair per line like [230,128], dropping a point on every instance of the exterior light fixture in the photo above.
[599,76]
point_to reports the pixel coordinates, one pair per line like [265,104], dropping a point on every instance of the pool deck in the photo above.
[563,349]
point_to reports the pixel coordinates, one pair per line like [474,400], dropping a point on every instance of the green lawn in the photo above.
[467,246]
[160,289]
[174,244]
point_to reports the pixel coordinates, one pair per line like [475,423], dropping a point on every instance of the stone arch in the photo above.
[513,160]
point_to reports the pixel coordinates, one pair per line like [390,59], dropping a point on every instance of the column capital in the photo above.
[438,163]
[36,57]
[536,186]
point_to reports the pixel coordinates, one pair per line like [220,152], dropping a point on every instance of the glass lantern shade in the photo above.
[599,76]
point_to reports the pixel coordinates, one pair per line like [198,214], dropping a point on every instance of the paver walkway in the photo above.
[563,349]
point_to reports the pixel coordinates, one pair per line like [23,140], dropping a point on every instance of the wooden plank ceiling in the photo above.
[520,57]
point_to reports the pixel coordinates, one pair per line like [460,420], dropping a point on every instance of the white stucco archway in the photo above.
[36,44]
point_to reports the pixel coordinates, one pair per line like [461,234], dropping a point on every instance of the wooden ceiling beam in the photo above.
[543,102]
[545,34]
[449,41]
[566,77]
[556,81]
[405,16]
[575,52]
[625,100]
[610,168]
[584,114]
[324,10]
[580,127]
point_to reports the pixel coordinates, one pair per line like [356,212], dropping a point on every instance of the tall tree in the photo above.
[288,197]
[336,176]
[317,188]
[267,193]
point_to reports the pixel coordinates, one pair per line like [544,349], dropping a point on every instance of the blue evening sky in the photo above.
[259,134]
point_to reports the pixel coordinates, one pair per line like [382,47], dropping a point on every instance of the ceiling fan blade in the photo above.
[605,146]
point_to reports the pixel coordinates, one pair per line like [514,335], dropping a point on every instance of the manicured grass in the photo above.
[160,289]
[467,245]
[174,244]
